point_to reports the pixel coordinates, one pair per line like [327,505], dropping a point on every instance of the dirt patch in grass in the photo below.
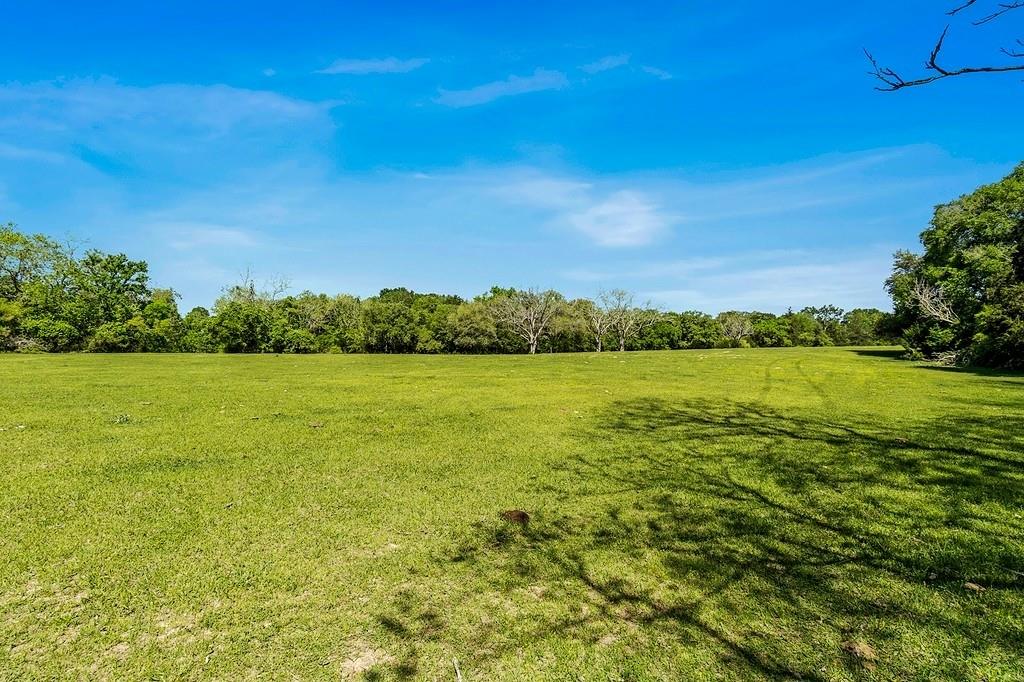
[363,659]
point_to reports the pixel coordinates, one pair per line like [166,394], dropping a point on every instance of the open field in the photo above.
[746,514]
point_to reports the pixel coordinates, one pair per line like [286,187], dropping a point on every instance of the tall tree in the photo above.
[471,329]
[699,330]
[627,319]
[528,313]
[599,317]
[963,298]
[112,286]
[23,258]
[735,325]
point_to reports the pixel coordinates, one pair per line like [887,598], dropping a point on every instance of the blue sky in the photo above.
[706,155]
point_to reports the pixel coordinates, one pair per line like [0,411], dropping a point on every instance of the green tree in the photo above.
[769,331]
[197,332]
[471,329]
[241,326]
[111,287]
[699,330]
[388,325]
[663,334]
[25,258]
[803,328]
[864,327]
[10,319]
[830,321]
[963,298]
[130,336]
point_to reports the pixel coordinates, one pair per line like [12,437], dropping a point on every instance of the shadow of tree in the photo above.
[894,353]
[899,354]
[770,541]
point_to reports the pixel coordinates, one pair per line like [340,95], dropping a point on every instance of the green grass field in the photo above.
[824,514]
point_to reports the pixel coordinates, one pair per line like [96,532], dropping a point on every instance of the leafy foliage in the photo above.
[963,298]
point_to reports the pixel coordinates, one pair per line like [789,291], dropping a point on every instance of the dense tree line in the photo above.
[52,300]
[962,300]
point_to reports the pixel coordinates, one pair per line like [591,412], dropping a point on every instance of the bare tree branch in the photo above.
[528,314]
[627,320]
[892,80]
[957,10]
[1014,53]
[1003,9]
[933,303]
[600,318]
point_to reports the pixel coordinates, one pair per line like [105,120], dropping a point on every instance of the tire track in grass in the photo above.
[816,387]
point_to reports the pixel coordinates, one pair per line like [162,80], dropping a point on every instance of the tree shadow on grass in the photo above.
[982,371]
[899,353]
[894,353]
[772,542]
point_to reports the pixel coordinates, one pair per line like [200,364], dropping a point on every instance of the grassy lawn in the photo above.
[751,514]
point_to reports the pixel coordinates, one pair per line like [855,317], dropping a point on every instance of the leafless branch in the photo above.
[600,318]
[528,314]
[932,302]
[627,320]
[960,8]
[1003,9]
[735,326]
[892,80]
[1014,53]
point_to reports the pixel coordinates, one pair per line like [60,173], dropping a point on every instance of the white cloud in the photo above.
[56,106]
[775,281]
[546,192]
[189,235]
[669,269]
[269,72]
[613,217]
[606,63]
[540,79]
[168,132]
[625,218]
[362,67]
[660,74]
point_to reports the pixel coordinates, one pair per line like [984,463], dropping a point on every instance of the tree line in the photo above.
[52,300]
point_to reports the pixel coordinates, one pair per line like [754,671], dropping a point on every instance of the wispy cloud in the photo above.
[660,74]
[612,217]
[540,79]
[157,130]
[187,235]
[625,218]
[776,280]
[672,269]
[106,102]
[362,67]
[606,63]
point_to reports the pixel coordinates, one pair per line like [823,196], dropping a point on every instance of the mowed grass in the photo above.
[747,514]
